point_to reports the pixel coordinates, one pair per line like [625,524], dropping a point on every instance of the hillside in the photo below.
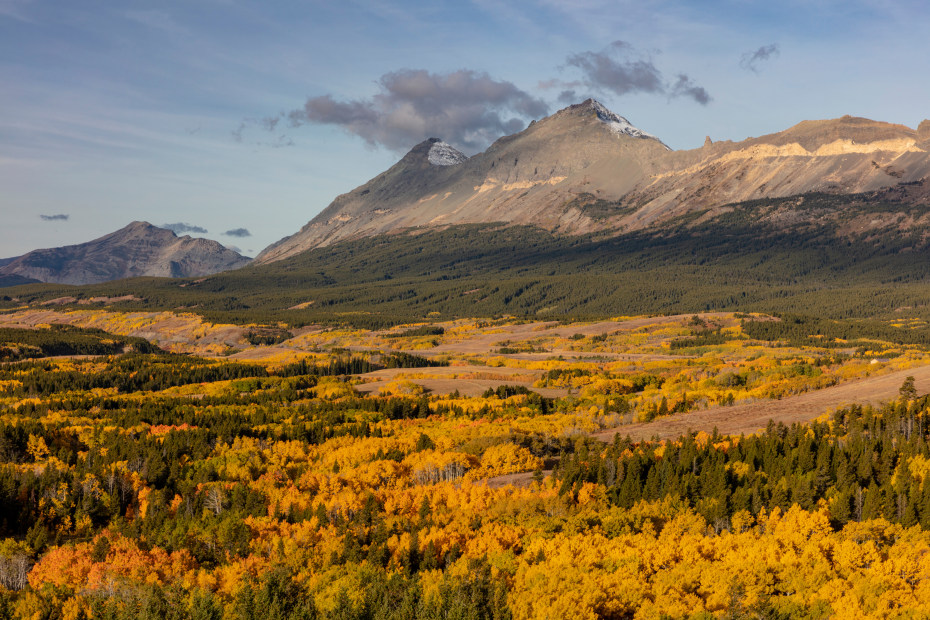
[585,169]
[398,249]
[862,255]
[139,249]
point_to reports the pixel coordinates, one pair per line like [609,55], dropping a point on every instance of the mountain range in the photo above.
[585,169]
[138,249]
[581,171]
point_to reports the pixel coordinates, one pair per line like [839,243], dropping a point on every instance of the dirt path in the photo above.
[752,417]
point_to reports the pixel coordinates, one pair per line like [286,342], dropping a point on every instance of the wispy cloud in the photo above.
[750,60]
[15,9]
[55,218]
[183,227]
[621,70]
[268,124]
[466,108]
[156,20]
[238,232]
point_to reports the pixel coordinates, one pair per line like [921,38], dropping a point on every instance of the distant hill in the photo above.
[585,170]
[139,249]
[14,280]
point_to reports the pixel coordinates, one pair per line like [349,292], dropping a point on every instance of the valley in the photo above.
[390,310]
[577,374]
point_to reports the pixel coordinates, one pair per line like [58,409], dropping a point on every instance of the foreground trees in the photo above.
[173,487]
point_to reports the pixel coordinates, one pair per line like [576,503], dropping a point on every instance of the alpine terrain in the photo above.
[586,169]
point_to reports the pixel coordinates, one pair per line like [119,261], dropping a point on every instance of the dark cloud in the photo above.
[685,87]
[238,232]
[181,227]
[620,70]
[466,108]
[53,218]
[607,70]
[568,97]
[750,60]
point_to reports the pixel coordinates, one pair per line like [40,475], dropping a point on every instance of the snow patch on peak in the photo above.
[442,154]
[620,125]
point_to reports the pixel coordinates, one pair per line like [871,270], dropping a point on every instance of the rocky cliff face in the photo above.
[139,249]
[586,169]
[842,156]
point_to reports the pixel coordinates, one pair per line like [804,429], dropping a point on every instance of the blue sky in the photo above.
[240,117]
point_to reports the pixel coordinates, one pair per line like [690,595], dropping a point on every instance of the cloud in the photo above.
[181,227]
[269,124]
[52,218]
[620,70]
[155,19]
[238,232]
[750,60]
[468,109]
[605,70]
[15,9]
[568,96]
[685,87]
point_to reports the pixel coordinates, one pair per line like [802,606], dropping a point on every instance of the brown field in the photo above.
[753,417]
[489,340]
[468,380]
[748,418]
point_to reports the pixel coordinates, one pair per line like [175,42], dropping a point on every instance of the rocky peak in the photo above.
[616,123]
[443,154]
[923,131]
[431,152]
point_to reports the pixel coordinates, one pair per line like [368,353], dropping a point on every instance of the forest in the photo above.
[19,344]
[137,484]
[738,258]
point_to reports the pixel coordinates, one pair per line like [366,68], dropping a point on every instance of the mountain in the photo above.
[525,178]
[139,249]
[585,169]
[15,280]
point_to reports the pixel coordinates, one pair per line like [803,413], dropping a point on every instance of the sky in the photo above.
[240,120]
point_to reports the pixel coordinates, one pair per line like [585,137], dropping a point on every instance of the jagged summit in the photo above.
[586,169]
[432,152]
[443,154]
[616,123]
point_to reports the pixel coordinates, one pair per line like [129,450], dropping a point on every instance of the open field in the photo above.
[753,417]
[467,380]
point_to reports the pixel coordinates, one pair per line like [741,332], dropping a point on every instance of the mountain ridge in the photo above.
[586,169]
[138,249]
